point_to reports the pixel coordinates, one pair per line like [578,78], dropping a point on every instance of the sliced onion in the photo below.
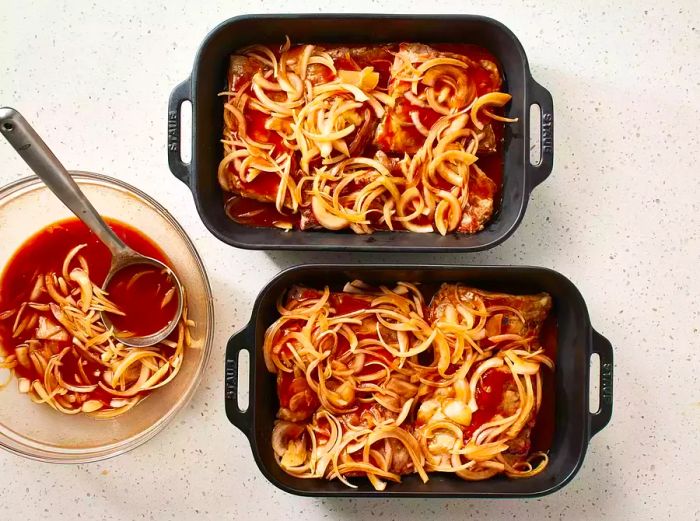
[325,218]
[491,363]
[498,99]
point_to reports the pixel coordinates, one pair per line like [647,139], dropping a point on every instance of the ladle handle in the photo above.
[46,165]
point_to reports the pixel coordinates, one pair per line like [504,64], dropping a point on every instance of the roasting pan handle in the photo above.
[538,95]
[241,341]
[178,96]
[600,418]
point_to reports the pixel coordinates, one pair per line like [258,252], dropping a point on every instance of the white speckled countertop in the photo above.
[620,216]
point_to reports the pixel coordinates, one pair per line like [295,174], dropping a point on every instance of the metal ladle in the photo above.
[44,163]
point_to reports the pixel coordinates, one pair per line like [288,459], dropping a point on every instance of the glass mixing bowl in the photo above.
[36,430]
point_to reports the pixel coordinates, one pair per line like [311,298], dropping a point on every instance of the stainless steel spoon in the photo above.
[44,163]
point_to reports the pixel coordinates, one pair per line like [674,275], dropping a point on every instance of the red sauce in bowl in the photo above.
[45,252]
[147,296]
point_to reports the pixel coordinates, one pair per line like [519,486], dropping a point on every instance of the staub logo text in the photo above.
[606,391]
[547,133]
[173,137]
[231,379]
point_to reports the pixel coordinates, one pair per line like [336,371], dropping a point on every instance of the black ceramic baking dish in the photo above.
[209,78]
[574,425]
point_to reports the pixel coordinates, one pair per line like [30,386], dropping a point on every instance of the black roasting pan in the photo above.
[208,78]
[574,425]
